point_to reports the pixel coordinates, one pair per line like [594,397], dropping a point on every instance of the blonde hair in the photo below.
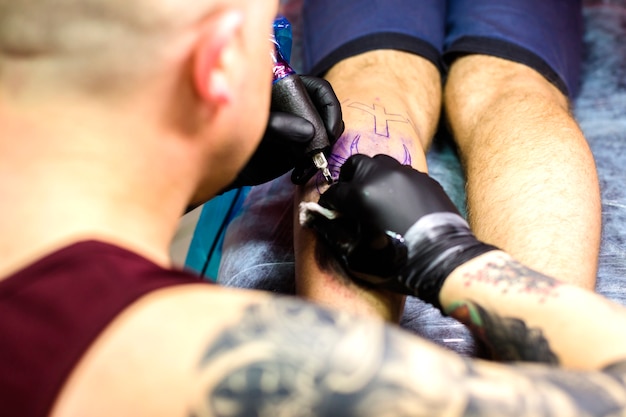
[90,44]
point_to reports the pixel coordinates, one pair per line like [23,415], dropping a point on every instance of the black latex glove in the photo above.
[397,228]
[287,135]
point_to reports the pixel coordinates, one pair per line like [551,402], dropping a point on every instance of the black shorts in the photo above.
[546,35]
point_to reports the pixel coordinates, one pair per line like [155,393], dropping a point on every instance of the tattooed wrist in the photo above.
[508,276]
[504,338]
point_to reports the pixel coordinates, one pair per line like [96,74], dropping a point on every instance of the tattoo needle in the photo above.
[320,162]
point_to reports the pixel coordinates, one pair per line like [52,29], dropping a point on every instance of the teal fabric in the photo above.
[205,250]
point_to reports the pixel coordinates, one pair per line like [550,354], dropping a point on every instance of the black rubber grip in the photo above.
[289,95]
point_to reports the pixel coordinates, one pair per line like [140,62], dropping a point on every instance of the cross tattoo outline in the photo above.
[381,117]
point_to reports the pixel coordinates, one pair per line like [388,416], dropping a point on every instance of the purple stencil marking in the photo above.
[381,117]
[407,156]
[346,146]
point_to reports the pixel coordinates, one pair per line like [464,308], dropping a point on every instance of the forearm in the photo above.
[521,314]
[380,117]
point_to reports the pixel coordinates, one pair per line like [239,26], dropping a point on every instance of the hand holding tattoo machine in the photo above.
[305,120]
[289,94]
[393,227]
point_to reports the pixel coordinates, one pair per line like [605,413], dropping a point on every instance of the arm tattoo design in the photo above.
[290,359]
[506,339]
[286,358]
[511,276]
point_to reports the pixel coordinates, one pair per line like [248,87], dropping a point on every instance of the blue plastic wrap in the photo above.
[284,36]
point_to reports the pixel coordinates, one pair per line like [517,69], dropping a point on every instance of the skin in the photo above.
[532,186]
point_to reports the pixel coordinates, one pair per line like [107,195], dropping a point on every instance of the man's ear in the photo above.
[213,55]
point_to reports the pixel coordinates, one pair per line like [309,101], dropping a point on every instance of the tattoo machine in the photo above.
[290,95]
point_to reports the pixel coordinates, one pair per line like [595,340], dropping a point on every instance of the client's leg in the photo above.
[390,103]
[390,100]
[532,186]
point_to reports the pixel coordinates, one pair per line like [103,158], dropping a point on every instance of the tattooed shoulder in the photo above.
[286,358]
[289,358]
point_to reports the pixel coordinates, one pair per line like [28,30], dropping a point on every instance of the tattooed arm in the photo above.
[205,351]
[393,113]
[521,314]
[286,358]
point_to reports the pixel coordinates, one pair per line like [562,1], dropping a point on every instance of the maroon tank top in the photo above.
[51,312]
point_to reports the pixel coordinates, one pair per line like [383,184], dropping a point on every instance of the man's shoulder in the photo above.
[153,349]
[64,303]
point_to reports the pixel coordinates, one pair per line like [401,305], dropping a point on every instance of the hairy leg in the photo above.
[532,186]
[390,103]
